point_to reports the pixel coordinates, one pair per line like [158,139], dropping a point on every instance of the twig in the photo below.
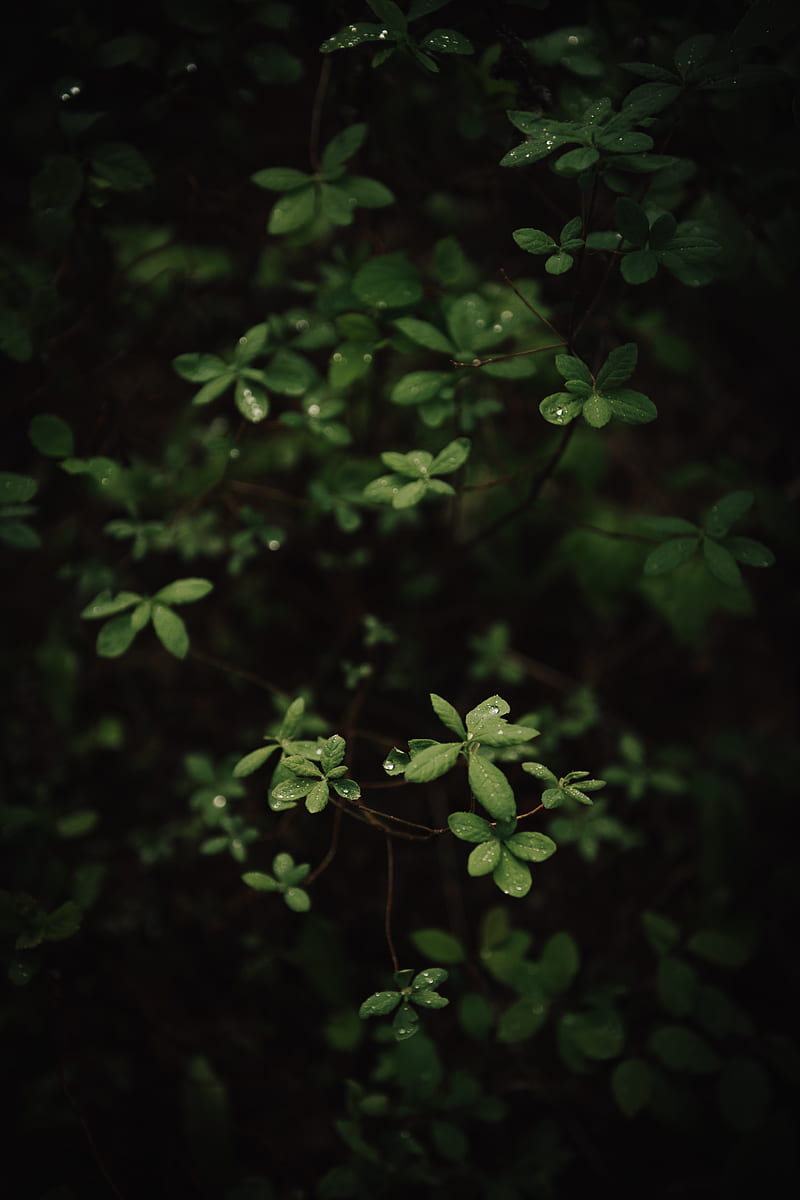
[387,923]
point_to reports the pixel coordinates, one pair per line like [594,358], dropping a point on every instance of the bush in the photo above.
[345,590]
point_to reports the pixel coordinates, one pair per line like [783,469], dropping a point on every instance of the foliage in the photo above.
[256,254]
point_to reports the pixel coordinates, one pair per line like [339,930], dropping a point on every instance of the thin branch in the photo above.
[332,848]
[87,1133]
[481,362]
[250,676]
[531,308]
[387,923]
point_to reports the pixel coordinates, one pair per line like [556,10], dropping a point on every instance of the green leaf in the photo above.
[200,368]
[210,391]
[639,266]
[252,761]
[618,367]
[170,630]
[141,615]
[682,1049]
[281,179]
[261,882]
[104,605]
[447,41]
[596,410]
[662,934]
[552,797]
[721,563]
[632,1085]
[630,407]
[367,193]
[417,387]
[451,457]
[493,706]
[410,494]
[351,36]
[51,435]
[335,205]
[540,771]
[62,922]
[251,401]
[379,1004]
[560,408]
[512,876]
[292,789]
[115,636]
[648,99]
[535,241]
[343,146]
[599,1033]
[521,1020]
[289,374]
[484,858]
[16,489]
[559,962]
[491,788]
[348,789]
[470,827]
[317,797]
[631,221]
[184,591]
[432,762]
[389,281]
[573,368]
[559,263]
[726,512]
[449,716]
[122,167]
[292,211]
[749,551]
[669,525]
[438,945]
[721,948]
[425,334]
[670,555]
[296,899]
[531,846]
[677,984]
[576,161]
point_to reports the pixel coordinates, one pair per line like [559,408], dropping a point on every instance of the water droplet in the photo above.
[367,358]
[492,708]
[389,765]
[337,357]
[476,362]
[242,340]
[480,322]
[497,328]
[237,844]
[301,326]
[234,453]
[191,66]
[381,304]
[395,490]
[383,35]
[572,40]
[219,802]
[273,544]
[75,90]
[65,96]
[313,410]
[506,315]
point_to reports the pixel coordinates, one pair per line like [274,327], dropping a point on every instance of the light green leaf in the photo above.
[432,762]
[449,716]
[289,374]
[540,771]
[51,435]
[261,882]
[531,846]
[491,788]
[292,789]
[469,827]
[141,615]
[200,368]
[670,555]
[409,494]
[214,388]
[115,636]
[348,789]
[296,899]
[512,876]
[251,401]
[170,630]
[252,761]
[106,605]
[560,408]
[451,458]
[559,264]
[596,410]
[184,591]
[281,179]
[721,563]
[317,797]
[484,858]
[335,205]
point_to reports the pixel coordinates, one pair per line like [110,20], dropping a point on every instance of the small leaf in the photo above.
[62,922]
[343,146]
[281,179]
[531,846]
[297,900]
[292,789]
[749,551]
[632,1085]
[682,1049]
[379,1004]
[484,858]
[512,876]
[439,945]
[417,387]
[409,494]
[51,435]
[184,591]
[292,211]
[618,367]
[351,36]
[639,266]
[535,241]
[540,771]
[252,761]
[559,962]
[662,934]
[447,41]
[432,762]
[121,166]
[451,458]
[721,563]
[199,368]
[726,512]
[115,636]
[425,334]
[348,789]
[448,715]
[631,221]
[596,410]
[559,264]
[630,407]
[576,161]
[670,555]
[106,605]
[367,193]
[560,408]
[170,630]
[469,827]
[389,281]
[261,882]
[491,788]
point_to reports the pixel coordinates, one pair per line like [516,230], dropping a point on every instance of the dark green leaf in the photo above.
[559,962]
[535,241]
[512,876]
[451,457]
[749,551]
[632,1085]
[596,410]
[417,387]
[631,221]
[379,1004]
[721,563]
[639,266]
[576,161]
[200,368]
[351,36]
[539,771]
[281,179]
[184,591]
[252,761]
[726,512]
[438,945]
[470,827]
[662,934]
[670,555]
[367,193]
[293,210]
[721,948]
[559,264]
[631,407]
[389,281]
[122,167]
[62,922]
[560,408]
[682,1049]
[447,41]
[677,985]
[317,796]
[490,788]
[521,1020]
[343,146]
[425,334]
[573,368]
[51,435]
[618,367]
